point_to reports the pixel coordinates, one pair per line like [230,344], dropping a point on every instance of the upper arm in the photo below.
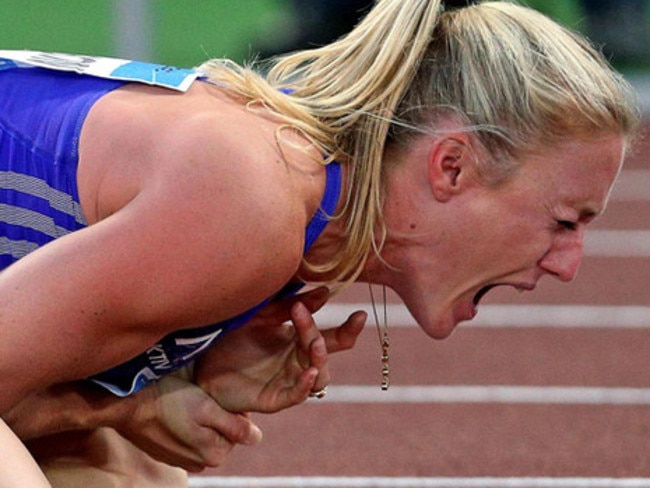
[196,244]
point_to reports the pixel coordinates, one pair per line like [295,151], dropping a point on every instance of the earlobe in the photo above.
[446,164]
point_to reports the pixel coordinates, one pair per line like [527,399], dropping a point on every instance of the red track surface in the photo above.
[327,438]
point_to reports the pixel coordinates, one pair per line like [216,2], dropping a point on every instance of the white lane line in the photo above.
[406,482]
[537,395]
[517,316]
[588,316]
[617,243]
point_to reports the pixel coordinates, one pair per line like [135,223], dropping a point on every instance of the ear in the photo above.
[448,165]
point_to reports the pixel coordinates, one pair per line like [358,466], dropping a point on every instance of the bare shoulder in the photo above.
[140,136]
[228,161]
[201,173]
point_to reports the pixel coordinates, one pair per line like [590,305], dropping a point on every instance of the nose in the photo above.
[563,258]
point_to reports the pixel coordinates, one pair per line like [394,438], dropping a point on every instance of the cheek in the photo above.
[515,222]
[509,233]
[528,242]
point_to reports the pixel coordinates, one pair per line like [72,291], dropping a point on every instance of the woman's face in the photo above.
[452,238]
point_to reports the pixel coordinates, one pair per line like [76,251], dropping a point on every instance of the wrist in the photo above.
[66,407]
[97,407]
[43,413]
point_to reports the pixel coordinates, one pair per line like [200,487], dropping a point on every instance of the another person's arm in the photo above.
[172,420]
[18,468]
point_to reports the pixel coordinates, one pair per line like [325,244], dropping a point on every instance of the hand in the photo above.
[177,423]
[267,365]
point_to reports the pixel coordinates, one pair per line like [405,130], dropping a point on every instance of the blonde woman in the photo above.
[434,150]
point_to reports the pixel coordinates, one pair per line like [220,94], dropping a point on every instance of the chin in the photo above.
[438,322]
[440,333]
[438,328]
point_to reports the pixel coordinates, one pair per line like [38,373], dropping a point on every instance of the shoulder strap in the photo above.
[328,205]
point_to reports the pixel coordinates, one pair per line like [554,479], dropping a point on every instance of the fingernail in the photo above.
[255,436]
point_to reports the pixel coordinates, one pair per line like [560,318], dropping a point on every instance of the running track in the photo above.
[543,389]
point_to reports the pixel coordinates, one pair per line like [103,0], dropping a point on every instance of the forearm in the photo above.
[172,420]
[70,406]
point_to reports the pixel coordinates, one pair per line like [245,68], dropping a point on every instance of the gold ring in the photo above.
[318,394]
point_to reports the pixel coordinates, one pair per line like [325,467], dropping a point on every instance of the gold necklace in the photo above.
[382,332]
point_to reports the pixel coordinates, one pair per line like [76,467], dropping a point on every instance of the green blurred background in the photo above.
[178,32]
[186,32]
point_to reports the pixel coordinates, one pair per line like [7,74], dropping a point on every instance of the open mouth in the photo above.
[481,293]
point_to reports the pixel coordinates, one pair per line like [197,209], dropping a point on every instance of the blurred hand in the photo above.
[179,424]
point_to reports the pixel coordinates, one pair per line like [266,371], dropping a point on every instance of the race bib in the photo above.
[111,68]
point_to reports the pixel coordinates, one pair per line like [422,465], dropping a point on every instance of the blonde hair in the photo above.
[516,78]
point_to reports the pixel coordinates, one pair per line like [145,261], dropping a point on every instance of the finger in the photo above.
[345,336]
[235,428]
[318,354]
[300,391]
[311,340]
[204,448]
[305,326]
[215,451]
[318,360]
